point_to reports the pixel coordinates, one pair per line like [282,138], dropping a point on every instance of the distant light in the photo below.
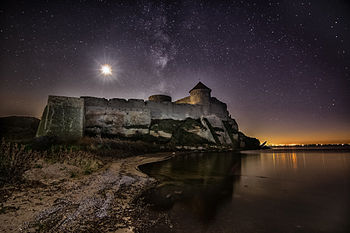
[106,70]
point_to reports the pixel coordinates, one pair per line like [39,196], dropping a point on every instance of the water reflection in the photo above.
[301,191]
[289,160]
[198,182]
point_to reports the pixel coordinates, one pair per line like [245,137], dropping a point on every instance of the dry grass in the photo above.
[85,154]
[15,160]
[116,147]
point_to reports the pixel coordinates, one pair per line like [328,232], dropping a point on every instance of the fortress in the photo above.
[196,119]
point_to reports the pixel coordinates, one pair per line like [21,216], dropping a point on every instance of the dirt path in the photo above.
[100,202]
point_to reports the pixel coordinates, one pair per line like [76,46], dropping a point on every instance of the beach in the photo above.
[103,201]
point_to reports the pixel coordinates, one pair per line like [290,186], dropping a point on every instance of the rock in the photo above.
[248,143]
[160,134]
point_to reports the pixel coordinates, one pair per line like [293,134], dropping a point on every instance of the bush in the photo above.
[116,147]
[15,159]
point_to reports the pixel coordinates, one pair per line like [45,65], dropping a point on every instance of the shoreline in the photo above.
[108,200]
[103,200]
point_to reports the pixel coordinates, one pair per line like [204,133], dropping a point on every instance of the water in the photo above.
[291,191]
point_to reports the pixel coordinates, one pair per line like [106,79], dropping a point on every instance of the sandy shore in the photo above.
[103,201]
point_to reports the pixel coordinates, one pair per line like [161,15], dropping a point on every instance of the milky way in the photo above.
[282,67]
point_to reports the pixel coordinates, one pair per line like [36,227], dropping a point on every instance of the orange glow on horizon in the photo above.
[290,138]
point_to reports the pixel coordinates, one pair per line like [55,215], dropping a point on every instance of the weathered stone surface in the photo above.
[63,117]
[114,121]
[190,132]
[219,129]
[248,142]
[181,132]
[232,131]
[204,133]
[160,134]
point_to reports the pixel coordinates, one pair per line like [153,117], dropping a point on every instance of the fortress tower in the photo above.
[200,94]
[160,98]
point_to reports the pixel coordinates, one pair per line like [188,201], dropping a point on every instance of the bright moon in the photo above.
[106,70]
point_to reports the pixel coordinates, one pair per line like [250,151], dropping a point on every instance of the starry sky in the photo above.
[282,67]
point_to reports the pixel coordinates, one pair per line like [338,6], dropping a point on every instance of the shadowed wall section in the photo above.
[62,117]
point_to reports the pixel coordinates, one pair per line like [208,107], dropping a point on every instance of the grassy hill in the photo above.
[18,127]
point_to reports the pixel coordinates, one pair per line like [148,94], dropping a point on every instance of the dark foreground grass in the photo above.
[16,158]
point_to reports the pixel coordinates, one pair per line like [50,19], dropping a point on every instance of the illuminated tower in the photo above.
[200,94]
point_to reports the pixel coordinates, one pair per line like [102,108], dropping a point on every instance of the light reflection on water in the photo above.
[291,191]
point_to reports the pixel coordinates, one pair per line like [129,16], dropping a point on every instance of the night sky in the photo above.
[282,67]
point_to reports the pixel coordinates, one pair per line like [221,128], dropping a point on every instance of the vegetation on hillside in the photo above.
[16,158]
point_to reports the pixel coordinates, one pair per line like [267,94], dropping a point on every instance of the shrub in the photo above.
[116,147]
[15,159]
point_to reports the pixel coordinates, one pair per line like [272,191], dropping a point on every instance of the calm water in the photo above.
[255,192]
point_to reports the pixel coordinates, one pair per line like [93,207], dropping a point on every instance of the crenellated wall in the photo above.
[116,116]
[160,110]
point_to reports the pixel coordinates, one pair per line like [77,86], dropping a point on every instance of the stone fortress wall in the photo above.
[127,117]
[71,117]
[62,116]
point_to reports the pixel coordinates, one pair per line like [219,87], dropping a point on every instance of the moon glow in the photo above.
[106,70]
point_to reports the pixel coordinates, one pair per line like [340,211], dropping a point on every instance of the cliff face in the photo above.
[204,132]
[160,122]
